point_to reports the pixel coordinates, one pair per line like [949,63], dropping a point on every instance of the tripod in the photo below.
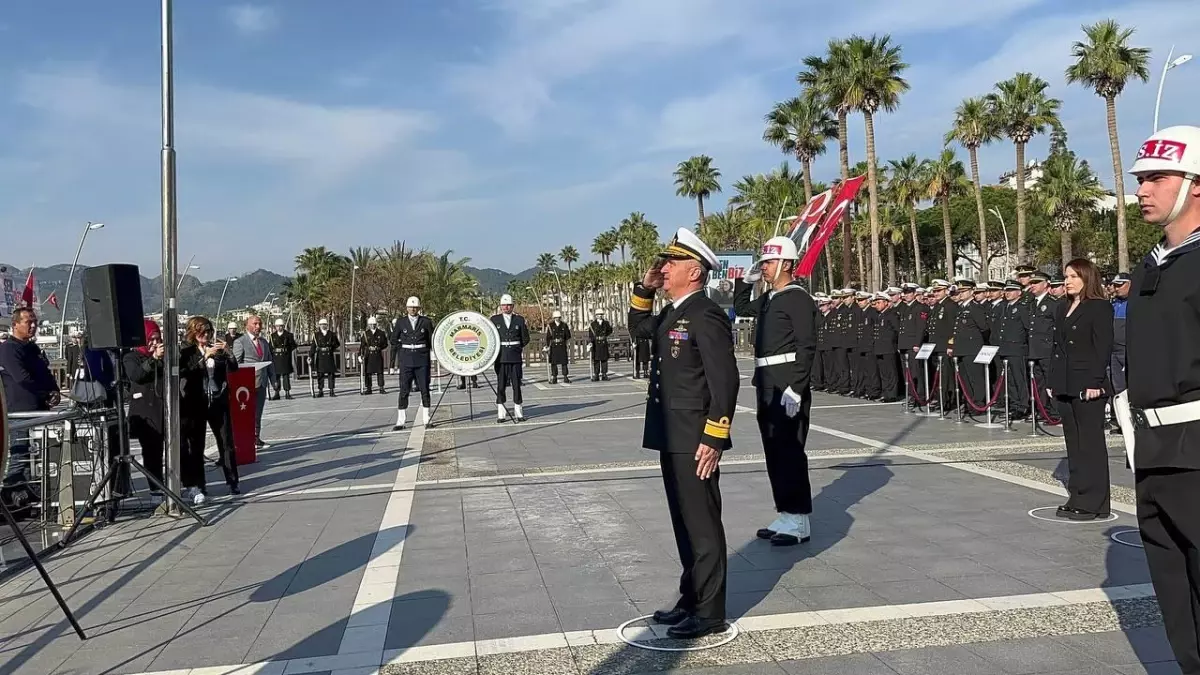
[470,400]
[62,604]
[123,458]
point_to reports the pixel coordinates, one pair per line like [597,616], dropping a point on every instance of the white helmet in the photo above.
[506,299]
[778,248]
[599,312]
[556,314]
[323,322]
[1167,151]
[371,321]
[413,301]
[232,325]
[278,322]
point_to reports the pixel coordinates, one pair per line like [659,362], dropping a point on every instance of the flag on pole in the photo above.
[53,300]
[27,295]
[845,196]
[808,218]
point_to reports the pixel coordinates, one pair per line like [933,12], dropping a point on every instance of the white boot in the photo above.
[795,531]
[401,419]
[501,413]
[517,413]
[769,531]
[424,415]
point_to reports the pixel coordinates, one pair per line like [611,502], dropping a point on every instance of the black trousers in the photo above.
[554,366]
[599,367]
[818,373]
[414,376]
[1087,453]
[868,379]
[285,380]
[695,507]
[889,381]
[1167,503]
[193,425]
[462,381]
[151,440]
[1039,374]
[827,361]
[973,383]
[508,374]
[841,370]
[946,381]
[367,380]
[783,440]
[321,382]
[1017,384]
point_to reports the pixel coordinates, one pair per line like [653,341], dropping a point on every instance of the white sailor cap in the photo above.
[862,295]
[371,321]
[820,296]
[686,245]
[278,322]
[556,314]
[323,322]
[939,283]
[232,325]
[892,290]
[881,296]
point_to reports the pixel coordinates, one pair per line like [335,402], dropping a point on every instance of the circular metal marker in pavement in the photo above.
[1034,513]
[730,633]
[1128,537]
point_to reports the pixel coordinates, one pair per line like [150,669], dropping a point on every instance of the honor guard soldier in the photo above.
[374,343]
[1041,333]
[231,332]
[283,346]
[692,397]
[821,357]
[325,345]
[558,342]
[412,336]
[970,335]
[514,336]
[641,353]
[913,315]
[867,378]
[599,331]
[943,316]
[847,342]
[1011,334]
[885,335]
[1163,378]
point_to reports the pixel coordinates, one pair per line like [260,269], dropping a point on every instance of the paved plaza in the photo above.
[476,547]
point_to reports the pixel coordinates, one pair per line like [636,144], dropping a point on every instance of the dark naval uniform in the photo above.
[641,350]
[283,346]
[970,336]
[839,350]
[413,339]
[1010,333]
[514,336]
[913,318]
[692,397]
[886,335]
[942,318]
[598,334]
[867,379]
[785,343]
[325,347]
[1041,343]
[558,342]
[373,344]
[821,358]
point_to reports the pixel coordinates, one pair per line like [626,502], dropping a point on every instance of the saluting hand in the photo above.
[653,278]
[707,459]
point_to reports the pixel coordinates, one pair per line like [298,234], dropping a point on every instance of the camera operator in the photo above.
[144,368]
[204,367]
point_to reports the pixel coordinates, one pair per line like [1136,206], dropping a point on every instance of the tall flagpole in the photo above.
[170,255]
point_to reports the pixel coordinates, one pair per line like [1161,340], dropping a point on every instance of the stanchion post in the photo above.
[1007,412]
[312,377]
[1033,401]
[928,398]
[941,388]
[957,363]
[907,379]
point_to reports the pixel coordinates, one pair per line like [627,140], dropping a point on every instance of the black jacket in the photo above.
[516,334]
[283,346]
[192,373]
[913,318]
[1010,331]
[941,324]
[786,323]
[1082,346]
[971,327]
[1041,327]
[419,340]
[145,375]
[693,375]
[27,380]
[887,331]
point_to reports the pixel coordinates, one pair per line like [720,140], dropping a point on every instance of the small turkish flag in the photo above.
[53,300]
[27,298]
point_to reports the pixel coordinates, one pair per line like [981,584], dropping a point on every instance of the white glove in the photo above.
[791,402]
[754,277]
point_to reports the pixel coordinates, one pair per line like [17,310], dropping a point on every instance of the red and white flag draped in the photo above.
[28,298]
[819,219]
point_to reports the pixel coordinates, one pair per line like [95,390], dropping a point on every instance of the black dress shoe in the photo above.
[694,627]
[765,533]
[233,490]
[670,617]
[288,396]
[567,380]
[554,380]
[461,386]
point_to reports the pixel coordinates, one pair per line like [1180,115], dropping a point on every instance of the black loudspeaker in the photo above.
[112,307]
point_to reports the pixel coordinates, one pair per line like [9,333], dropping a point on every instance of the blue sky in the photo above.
[496,128]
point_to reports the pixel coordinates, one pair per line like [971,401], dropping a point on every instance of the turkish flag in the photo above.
[243,406]
[27,298]
[53,300]
[808,218]
[844,198]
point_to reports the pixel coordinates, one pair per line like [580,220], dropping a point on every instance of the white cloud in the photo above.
[727,117]
[251,19]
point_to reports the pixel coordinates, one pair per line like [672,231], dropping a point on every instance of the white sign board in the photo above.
[986,354]
[925,351]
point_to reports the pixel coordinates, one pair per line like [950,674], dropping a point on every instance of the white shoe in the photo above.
[501,413]
[198,499]
[401,420]
[518,413]
[424,415]
[795,531]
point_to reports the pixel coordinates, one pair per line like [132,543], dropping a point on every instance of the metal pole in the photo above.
[62,319]
[1007,413]
[221,302]
[353,277]
[958,389]
[187,268]
[987,386]
[170,255]
[928,400]
[1161,82]
[1033,409]
[941,386]
[907,378]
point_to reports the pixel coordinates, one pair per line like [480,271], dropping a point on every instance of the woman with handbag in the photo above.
[144,370]
[1078,379]
[204,367]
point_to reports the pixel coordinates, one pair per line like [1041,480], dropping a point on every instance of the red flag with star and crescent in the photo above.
[833,216]
[27,295]
[53,300]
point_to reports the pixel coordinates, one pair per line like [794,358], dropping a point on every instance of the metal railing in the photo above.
[58,458]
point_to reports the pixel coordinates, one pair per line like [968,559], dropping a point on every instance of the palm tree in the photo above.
[1106,63]
[447,285]
[908,185]
[696,178]
[874,82]
[825,83]
[627,230]
[603,245]
[569,255]
[1022,109]
[947,178]
[1067,190]
[973,127]
[546,261]
[892,231]
[725,230]
[801,126]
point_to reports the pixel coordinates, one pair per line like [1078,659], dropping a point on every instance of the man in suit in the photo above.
[914,315]
[599,331]
[283,346]
[1041,334]
[692,396]
[942,317]
[971,326]
[250,348]
[412,336]
[514,336]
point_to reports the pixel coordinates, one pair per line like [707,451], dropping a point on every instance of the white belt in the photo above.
[774,360]
[1148,418]
[413,346]
[513,343]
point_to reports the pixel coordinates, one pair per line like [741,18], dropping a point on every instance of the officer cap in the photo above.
[371,321]
[820,296]
[685,245]
[556,314]
[981,288]
[964,283]
[322,322]
[909,287]
[599,312]
[862,295]
[1120,279]
[881,296]
[414,301]
[278,322]
[939,283]
[1013,285]
[994,285]
[922,290]
[849,291]
[892,290]
[1057,281]
[232,325]
[506,299]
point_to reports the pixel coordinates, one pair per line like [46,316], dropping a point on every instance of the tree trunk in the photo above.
[891,263]
[829,269]
[1066,248]
[945,200]
[862,265]
[1021,204]
[912,224]
[983,238]
[806,166]
[844,156]
[873,195]
[700,208]
[1110,104]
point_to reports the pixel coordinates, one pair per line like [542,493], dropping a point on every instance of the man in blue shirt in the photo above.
[1120,291]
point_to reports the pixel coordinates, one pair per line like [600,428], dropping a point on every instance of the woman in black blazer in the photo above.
[1078,380]
[204,366]
[144,369]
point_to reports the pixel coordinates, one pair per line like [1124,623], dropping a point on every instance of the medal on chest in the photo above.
[677,335]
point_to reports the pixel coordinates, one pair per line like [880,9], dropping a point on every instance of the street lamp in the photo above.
[62,319]
[222,300]
[186,269]
[1007,251]
[353,277]
[1171,63]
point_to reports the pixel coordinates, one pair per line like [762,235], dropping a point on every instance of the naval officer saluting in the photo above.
[692,395]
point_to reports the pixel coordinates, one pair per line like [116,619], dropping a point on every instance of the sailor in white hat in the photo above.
[283,347]
[689,411]
[374,342]
[785,345]
[558,343]
[231,332]
[514,336]
[885,383]
[599,331]
[942,316]
[325,347]
[412,337]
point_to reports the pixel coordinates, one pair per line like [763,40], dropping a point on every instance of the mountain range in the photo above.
[196,296]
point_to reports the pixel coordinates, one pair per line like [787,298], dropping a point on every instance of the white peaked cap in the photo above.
[778,248]
[323,322]
[599,311]
[506,299]
[278,322]
[556,314]
[231,324]
[685,244]
[413,301]
[371,321]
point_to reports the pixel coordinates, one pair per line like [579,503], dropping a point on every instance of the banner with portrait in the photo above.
[731,266]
